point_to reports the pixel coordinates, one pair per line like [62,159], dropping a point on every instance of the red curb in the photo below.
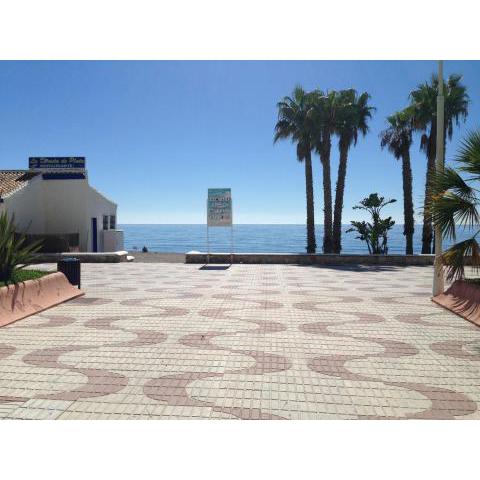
[463,299]
[33,296]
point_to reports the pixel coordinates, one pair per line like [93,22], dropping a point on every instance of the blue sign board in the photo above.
[219,207]
[56,162]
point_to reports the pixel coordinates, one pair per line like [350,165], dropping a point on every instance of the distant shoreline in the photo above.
[247,224]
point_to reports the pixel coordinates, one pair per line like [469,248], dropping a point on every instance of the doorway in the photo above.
[94,235]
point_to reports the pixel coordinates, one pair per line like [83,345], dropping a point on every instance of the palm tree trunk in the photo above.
[408,220]
[327,196]
[339,192]
[427,232]
[311,244]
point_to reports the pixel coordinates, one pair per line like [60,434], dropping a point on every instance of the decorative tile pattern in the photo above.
[170,341]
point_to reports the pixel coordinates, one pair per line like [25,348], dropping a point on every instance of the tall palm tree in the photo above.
[352,120]
[325,118]
[295,121]
[424,109]
[398,139]
[455,201]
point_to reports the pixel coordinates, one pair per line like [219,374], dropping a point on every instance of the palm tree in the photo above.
[352,120]
[295,122]
[455,200]
[424,112]
[325,114]
[398,139]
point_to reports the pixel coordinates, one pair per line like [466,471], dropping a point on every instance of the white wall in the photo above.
[60,207]
[97,206]
[27,206]
[112,240]
[64,206]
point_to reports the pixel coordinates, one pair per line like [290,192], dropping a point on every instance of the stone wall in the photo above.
[84,257]
[306,259]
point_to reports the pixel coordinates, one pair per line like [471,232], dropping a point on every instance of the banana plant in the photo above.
[374,233]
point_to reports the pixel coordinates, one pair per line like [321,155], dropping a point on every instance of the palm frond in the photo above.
[283,129]
[295,122]
[398,135]
[450,179]
[449,209]
[468,156]
[299,94]
[454,258]
[353,115]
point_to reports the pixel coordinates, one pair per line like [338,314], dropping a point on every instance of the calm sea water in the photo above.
[251,238]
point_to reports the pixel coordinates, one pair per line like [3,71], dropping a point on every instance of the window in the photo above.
[105,222]
[113,222]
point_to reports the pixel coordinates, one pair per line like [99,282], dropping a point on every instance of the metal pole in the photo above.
[208,238]
[231,232]
[231,244]
[208,247]
[438,283]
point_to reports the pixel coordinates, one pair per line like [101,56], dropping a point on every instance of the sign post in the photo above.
[219,214]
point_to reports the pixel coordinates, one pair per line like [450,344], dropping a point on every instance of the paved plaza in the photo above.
[176,341]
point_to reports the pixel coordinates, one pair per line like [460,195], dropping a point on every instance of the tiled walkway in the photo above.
[256,342]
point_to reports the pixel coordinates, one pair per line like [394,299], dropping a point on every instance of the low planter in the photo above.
[462,298]
[23,299]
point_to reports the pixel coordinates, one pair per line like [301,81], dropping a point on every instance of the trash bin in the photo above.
[70,267]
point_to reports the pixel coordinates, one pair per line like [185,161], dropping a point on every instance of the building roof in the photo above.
[13,180]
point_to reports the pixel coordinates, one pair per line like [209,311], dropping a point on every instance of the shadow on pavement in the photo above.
[364,268]
[215,267]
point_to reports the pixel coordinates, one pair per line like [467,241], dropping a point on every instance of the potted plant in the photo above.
[455,202]
[25,292]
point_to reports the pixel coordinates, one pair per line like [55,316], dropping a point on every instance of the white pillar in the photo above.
[438,283]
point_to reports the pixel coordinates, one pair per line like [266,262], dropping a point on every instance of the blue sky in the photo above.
[156,135]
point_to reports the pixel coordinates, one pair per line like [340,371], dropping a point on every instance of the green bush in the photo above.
[374,233]
[24,275]
[14,253]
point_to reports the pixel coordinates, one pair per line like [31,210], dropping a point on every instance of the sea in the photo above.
[253,238]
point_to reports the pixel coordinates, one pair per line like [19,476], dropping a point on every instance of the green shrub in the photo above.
[374,233]
[14,253]
[24,275]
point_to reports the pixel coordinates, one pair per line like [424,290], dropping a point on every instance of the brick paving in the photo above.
[174,341]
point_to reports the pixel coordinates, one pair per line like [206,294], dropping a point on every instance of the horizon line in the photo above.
[204,224]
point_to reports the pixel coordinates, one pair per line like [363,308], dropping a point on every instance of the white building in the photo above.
[53,197]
